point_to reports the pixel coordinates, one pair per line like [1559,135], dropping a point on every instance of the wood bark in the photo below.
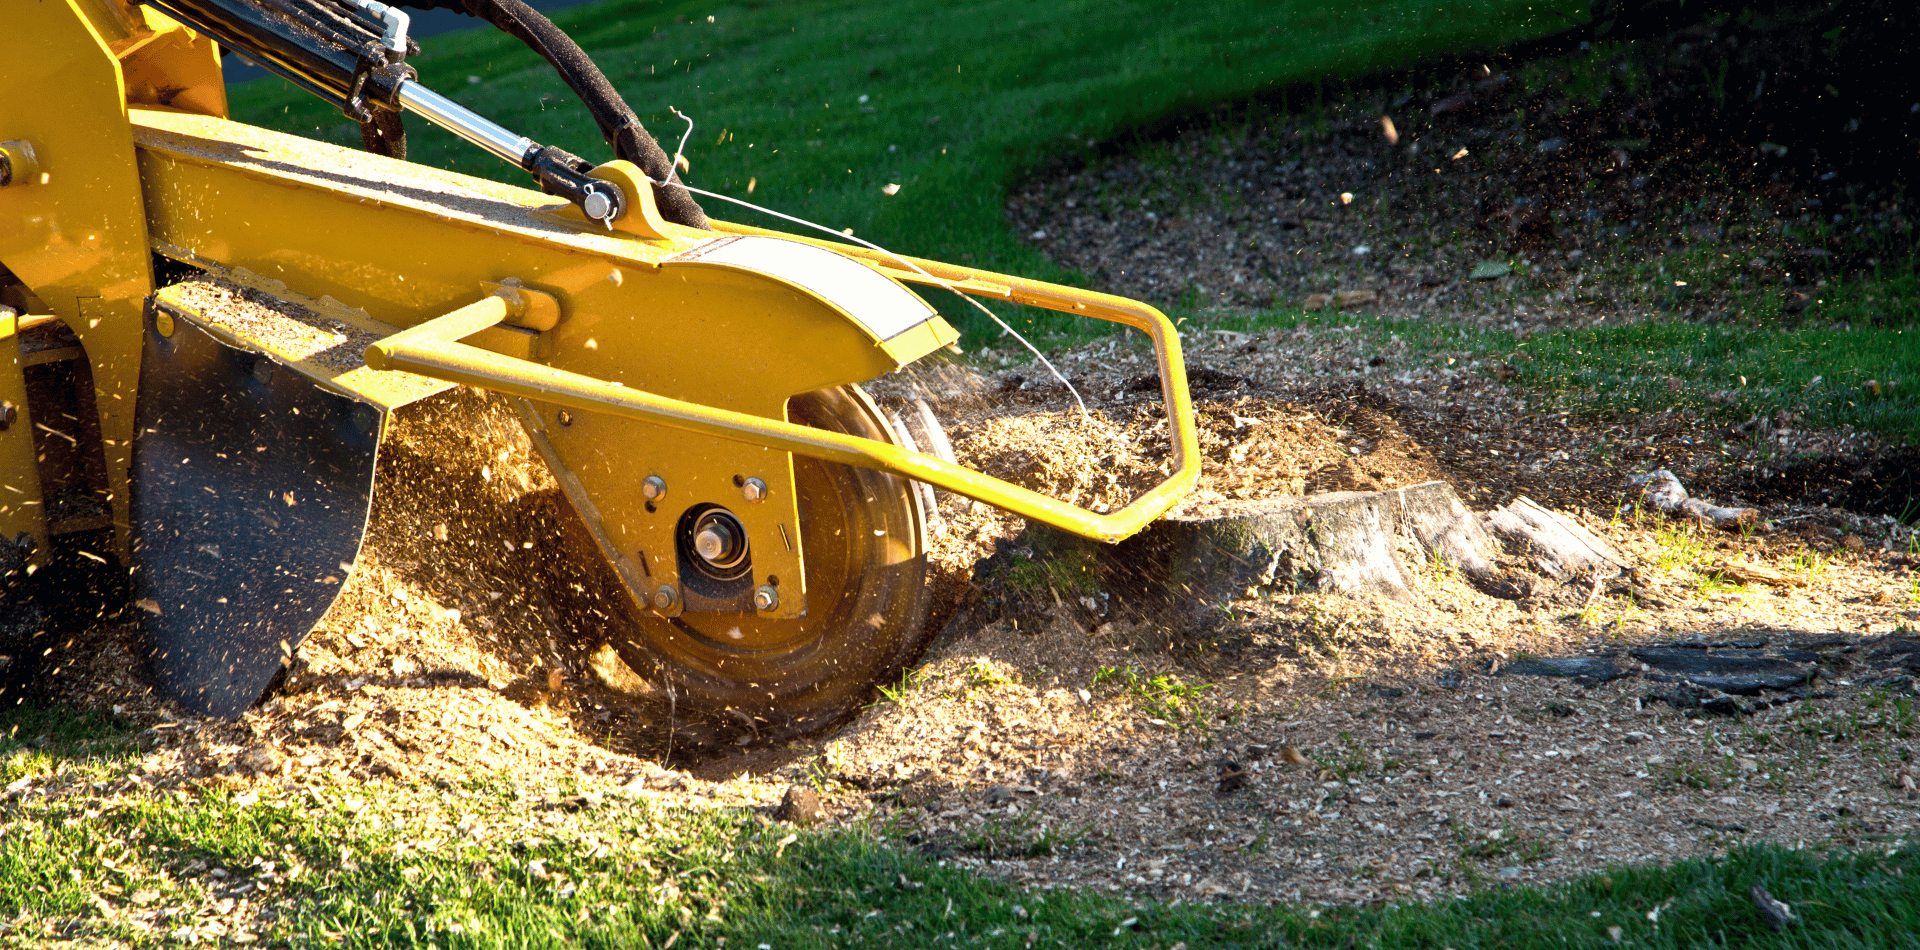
[1556,544]
[1663,490]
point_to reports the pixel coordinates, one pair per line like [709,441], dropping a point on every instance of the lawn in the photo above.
[812,109]
[493,865]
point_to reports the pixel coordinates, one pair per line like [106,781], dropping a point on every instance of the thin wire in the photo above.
[940,281]
[681,149]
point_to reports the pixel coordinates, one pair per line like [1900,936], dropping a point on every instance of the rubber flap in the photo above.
[250,497]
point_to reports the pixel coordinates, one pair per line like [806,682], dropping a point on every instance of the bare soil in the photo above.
[1054,737]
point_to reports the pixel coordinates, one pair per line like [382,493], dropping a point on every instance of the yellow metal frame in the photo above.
[75,230]
[676,362]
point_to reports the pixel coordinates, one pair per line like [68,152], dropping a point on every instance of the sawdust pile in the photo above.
[1256,443]
[446,654]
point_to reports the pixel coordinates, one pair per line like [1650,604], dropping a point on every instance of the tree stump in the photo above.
[1343,541]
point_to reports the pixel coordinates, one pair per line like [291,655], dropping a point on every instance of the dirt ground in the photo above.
[1310,745]
[1301,745]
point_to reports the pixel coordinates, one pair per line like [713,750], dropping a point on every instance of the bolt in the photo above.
[654,488]
[765,597]
[163,323]
[713,541]
[597,205]
[664,597]
[754,490]
[566,418]
[263,370]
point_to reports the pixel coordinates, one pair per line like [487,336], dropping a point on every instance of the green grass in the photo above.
[955,110]
[820,105]
[1863,377]
[1866,377]
[1165,696]
[85,858]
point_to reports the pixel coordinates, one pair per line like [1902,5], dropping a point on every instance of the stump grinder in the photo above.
[205,328]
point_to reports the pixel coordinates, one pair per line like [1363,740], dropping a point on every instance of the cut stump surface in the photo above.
[1351,542]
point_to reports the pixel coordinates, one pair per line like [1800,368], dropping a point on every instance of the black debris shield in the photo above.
[250,496]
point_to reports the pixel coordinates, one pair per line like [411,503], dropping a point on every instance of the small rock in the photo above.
[997,795]
[800,806]
[1508,874]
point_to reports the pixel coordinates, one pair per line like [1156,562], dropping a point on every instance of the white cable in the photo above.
[940,281]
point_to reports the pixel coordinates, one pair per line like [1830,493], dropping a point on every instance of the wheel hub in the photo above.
[719,543]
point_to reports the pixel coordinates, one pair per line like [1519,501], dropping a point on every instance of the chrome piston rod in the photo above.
[466,123]
[598,200]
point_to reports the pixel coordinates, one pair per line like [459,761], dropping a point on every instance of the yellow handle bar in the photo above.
[432,349]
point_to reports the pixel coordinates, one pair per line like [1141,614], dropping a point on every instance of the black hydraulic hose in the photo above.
[616,119]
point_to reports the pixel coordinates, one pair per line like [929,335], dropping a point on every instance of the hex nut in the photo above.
[765,597]
[753,489]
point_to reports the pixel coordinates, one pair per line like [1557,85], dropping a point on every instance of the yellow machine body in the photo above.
[656,363]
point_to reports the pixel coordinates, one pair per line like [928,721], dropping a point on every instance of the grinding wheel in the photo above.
[864,535]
